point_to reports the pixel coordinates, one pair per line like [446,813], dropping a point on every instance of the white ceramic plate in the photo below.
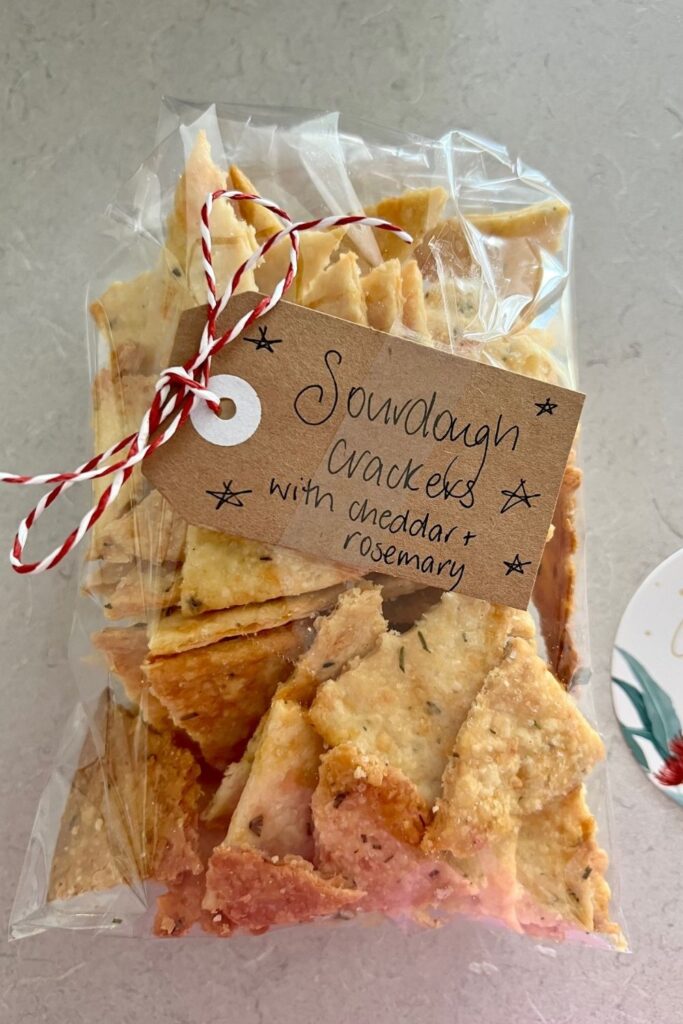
[647,676]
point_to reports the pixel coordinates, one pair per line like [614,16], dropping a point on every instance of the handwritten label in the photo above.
[370,450]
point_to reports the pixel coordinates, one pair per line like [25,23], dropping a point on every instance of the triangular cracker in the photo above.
[149,532]
[407,699]
[414,311]
[125,651]
[131,815]
[562,868]
[338,291]
[369,820]
[233,239]
[349,632]
[523,744]
[221,571]
[217,694]
[262,220]
[554,589]
[176,632]
[274,811]
[139,317]
[416,211]
[246,890]
[383,297]
[119,403]
[226,797]
[138,592]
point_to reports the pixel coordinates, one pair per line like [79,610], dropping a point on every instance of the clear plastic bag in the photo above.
[206,782]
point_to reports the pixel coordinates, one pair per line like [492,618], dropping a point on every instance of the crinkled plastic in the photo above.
[218,774]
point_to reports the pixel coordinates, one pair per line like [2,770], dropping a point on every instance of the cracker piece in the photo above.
[217,694]
[315,247]
[369,819]
[315,251]
[350,632]
[543,222]
[414,309]
[180,907]
[125,650]
[383,297]
[233,239]
[119,403]
[131,814]
[555,586]
[452,311]
[140,592]
[149,532]
[262,220]
[338,290]
[561,866]
[139,317]
[513,245]
[176,632]
[524,352]
[225,799]
[523,744]
[406,701]
[221,571]
[416,211]
[245,890]
[274,811]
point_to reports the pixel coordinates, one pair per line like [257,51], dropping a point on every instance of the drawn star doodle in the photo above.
[228,496]
[263,341]
[516,565]
[546,406]
[518,497]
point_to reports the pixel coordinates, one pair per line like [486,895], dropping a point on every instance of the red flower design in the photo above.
[671,772]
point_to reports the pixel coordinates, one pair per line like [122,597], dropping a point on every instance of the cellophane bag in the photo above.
[264,738]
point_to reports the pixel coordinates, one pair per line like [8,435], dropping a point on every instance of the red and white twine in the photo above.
[178,388]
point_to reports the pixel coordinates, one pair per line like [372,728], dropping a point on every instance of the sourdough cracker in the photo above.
[523,744]
[150,532]
[273,813]
[383,295]
[416,211]
[125,650]
[562,868]
[554,590]
[221,571]
[406,701]
[174,633]
[121,823]
[246,890]
[349,632]
[217,694]
[338,290]
[369,819]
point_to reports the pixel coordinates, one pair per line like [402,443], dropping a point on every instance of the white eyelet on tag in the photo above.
[243,424]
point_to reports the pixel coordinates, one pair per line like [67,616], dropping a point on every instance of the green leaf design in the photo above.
[634,747]
[636,698]
[661,712]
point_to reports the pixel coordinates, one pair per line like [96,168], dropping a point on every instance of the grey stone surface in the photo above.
[588,90]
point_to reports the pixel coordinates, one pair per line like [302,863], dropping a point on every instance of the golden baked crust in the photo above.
[406,701]
[132,813]
[523,744]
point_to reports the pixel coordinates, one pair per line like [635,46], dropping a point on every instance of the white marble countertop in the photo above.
[589,91]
